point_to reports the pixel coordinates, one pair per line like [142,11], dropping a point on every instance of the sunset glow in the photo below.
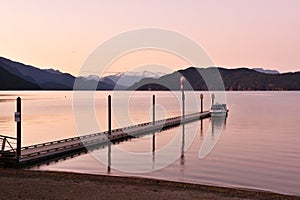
[61,34]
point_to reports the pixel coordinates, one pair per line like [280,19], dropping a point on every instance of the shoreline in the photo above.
[27,184]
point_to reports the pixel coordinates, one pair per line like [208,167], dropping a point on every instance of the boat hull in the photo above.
[218,113]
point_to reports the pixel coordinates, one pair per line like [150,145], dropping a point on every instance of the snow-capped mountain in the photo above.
[53,71]
[126,79]
[266,71]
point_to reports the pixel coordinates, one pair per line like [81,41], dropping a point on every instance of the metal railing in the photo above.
[8,146]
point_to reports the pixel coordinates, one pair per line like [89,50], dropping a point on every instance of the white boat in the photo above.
[218,110]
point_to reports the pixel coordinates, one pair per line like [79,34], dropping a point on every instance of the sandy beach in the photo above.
[25,184]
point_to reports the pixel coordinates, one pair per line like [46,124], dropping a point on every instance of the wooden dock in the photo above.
[44,152]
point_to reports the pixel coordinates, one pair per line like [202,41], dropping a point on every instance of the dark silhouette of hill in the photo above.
[17,76]
[50,79]
[233,79]
[9,81]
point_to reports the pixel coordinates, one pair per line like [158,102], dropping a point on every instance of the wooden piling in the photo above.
[19,129]
[153,122]
[153,109]
[109,114]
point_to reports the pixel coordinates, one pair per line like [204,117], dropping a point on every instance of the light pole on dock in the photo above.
[182,79]
[19,129]
[201,98]
[109,133]
[212,98]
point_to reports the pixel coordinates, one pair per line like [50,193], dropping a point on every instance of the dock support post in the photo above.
[109,133]
[18,120]
[153,109]
[201,98]
[3,144]
[109,115]
[153,122]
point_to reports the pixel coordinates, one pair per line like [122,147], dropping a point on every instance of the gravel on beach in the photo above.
[27,184]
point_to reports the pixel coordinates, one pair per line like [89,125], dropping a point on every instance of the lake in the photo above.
[257,146]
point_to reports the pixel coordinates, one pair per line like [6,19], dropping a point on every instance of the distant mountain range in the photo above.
[17,76]
[8,80]
[126,79]
[46,79]
[27,77]
[233,79]
[266,71]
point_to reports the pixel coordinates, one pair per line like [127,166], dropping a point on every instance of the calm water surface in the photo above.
[258,147]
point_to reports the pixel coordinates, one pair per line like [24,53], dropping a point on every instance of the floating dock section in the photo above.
[41,153]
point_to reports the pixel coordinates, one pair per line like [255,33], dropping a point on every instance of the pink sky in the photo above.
[61,34]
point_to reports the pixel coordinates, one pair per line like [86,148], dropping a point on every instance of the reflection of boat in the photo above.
[212,136]
[218,109]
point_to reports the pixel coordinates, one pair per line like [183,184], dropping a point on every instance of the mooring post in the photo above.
[153,122]
[212,98]
[153,109]
[3,144]
[18,120]
[201,98]
[109,115]
[109,133]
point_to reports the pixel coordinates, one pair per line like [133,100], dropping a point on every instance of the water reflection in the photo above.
[182,149]
[201,128]
[267,166]
[6,100]
[109,158]
[212,136]
[153,150]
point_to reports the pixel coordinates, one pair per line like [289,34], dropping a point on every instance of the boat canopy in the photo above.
[218,106]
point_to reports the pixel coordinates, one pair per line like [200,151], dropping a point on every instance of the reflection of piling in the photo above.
[213,128]
[153,143]
[109,114]
[18,120]
[182,146]
[201,128]
[109,157]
